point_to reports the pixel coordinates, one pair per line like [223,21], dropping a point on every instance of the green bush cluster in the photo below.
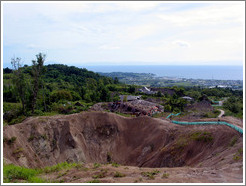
[202,136]
[150,175]
[12,173]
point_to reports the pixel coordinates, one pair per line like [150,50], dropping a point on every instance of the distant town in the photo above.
[151,80]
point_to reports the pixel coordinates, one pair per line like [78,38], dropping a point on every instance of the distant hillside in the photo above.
[125,75]
[71,74]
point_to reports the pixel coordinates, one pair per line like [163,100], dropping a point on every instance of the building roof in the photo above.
[187,97]
[129,97]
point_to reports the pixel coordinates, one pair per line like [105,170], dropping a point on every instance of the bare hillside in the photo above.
[102,137]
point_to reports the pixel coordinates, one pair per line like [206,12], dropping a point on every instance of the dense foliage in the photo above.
[51,89]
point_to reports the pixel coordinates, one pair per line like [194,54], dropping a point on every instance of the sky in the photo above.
[125,33]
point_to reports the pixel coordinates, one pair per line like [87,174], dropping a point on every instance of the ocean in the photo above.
[194,72]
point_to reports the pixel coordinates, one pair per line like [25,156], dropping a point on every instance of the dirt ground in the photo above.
[131,174]
[207,154]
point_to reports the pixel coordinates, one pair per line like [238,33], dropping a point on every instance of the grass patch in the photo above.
[115,164]
[96,165]
[202,136]
[237,156]
[62,174]
[150,175]
[79,166]
[233,141]
[102,174]
[12,173]
[181,143]
[18,150]
[58,167]
[211,114]
[125,115]
[158,115]
[118,175]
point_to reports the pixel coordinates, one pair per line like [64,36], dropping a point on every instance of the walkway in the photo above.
[222,112]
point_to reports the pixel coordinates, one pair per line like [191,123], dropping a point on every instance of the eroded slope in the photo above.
[106,137]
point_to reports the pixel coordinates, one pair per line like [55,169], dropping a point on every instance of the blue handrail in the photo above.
[209,123]
[205,123]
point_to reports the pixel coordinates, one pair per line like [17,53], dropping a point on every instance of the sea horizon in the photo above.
[215,72]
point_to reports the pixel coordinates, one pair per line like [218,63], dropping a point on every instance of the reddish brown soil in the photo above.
[143,142]
[86,173]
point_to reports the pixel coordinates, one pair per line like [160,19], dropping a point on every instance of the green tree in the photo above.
[116,80]
[58,95]
[105,95]
[20,82]
[37,72]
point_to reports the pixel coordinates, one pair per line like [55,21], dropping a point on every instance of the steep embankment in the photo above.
[102,137]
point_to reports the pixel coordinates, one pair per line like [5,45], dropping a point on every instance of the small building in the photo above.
[129,98]
[187,98]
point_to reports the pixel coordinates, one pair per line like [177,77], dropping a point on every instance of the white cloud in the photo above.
[139,31]
[138,6]
[135,31]
[210,15]
[32,46]
[108,47]
[181,43]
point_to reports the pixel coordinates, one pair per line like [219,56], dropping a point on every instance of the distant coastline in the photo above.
[188,72]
